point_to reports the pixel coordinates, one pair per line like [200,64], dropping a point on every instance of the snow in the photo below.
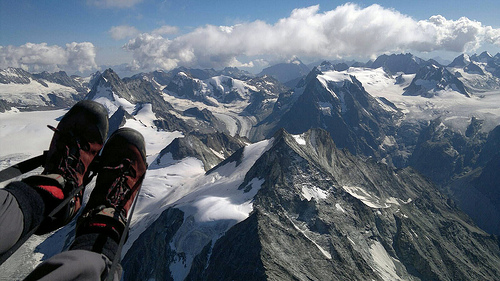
[325,108]
[323,251]
[455,109]
[105,96]
[324,81]
[226,113]
[310,192]
[339,208]
[212,204]
[300,139]
[33,93]
[16,127]
[384,264]
[370,200]
[335,76]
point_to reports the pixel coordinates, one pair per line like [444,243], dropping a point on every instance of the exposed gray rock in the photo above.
[324,214]
[118,119]
[285,72]
[152,250]
[61,78]
[4,106]
[353,117]
[211,149]
[406,63]
[431,79]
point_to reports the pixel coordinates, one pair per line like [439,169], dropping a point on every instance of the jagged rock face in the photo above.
[460,61]
[236,73]
[491,146]
[494,65]
[406,63]
[473,68]
[153,252]
[187,87]
[15,75]
[43,91]
[200,74]
[211,149]
[465,166]
[431,79]
[145,92]
[4,106]
[477,194]
[442,154]
[118,119]
[326,65]
[110,80]
[324,214]
[224,89]
[354,118]
[338,236]
[63,79]
[162,78]
[484,57]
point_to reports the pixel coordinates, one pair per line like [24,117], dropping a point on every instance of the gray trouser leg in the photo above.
[74,265]
[11,221]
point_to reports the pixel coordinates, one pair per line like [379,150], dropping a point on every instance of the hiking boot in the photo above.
[78,138]
[122,169]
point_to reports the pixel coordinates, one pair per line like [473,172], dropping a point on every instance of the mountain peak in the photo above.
[394,63]
[286,72]
[460,61]
[484,57]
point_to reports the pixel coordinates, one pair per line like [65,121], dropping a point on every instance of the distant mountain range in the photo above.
[359,171]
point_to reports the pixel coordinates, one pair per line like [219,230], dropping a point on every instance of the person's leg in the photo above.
[12,220]
[74,265]
[103,221]
[77,140]
[102,224]
[26,204]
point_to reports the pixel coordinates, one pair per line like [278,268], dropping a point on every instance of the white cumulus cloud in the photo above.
[123,31]
[348,30]
[39,57]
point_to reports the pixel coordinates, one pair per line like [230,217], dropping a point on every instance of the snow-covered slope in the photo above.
[296,206]
[302,210]
[34,93]
[24,90]
[455,109]
[17,127]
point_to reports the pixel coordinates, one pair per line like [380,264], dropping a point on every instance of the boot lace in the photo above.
[71,165]
[120,192]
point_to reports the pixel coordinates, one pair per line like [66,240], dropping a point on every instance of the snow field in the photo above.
[33,93]
[455,109]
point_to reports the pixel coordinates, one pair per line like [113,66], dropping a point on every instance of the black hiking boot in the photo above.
[78,138]
[122,169]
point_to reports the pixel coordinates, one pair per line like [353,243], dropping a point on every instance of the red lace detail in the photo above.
[119,192]
[70,164]
[97,224]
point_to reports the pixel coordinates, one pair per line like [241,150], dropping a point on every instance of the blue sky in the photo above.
[81,35]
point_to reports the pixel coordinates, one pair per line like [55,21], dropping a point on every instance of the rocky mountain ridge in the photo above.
[346,219]
[321,163]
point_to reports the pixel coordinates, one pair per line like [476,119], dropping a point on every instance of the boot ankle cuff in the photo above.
[31,203]
[97,243]
[104,220]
